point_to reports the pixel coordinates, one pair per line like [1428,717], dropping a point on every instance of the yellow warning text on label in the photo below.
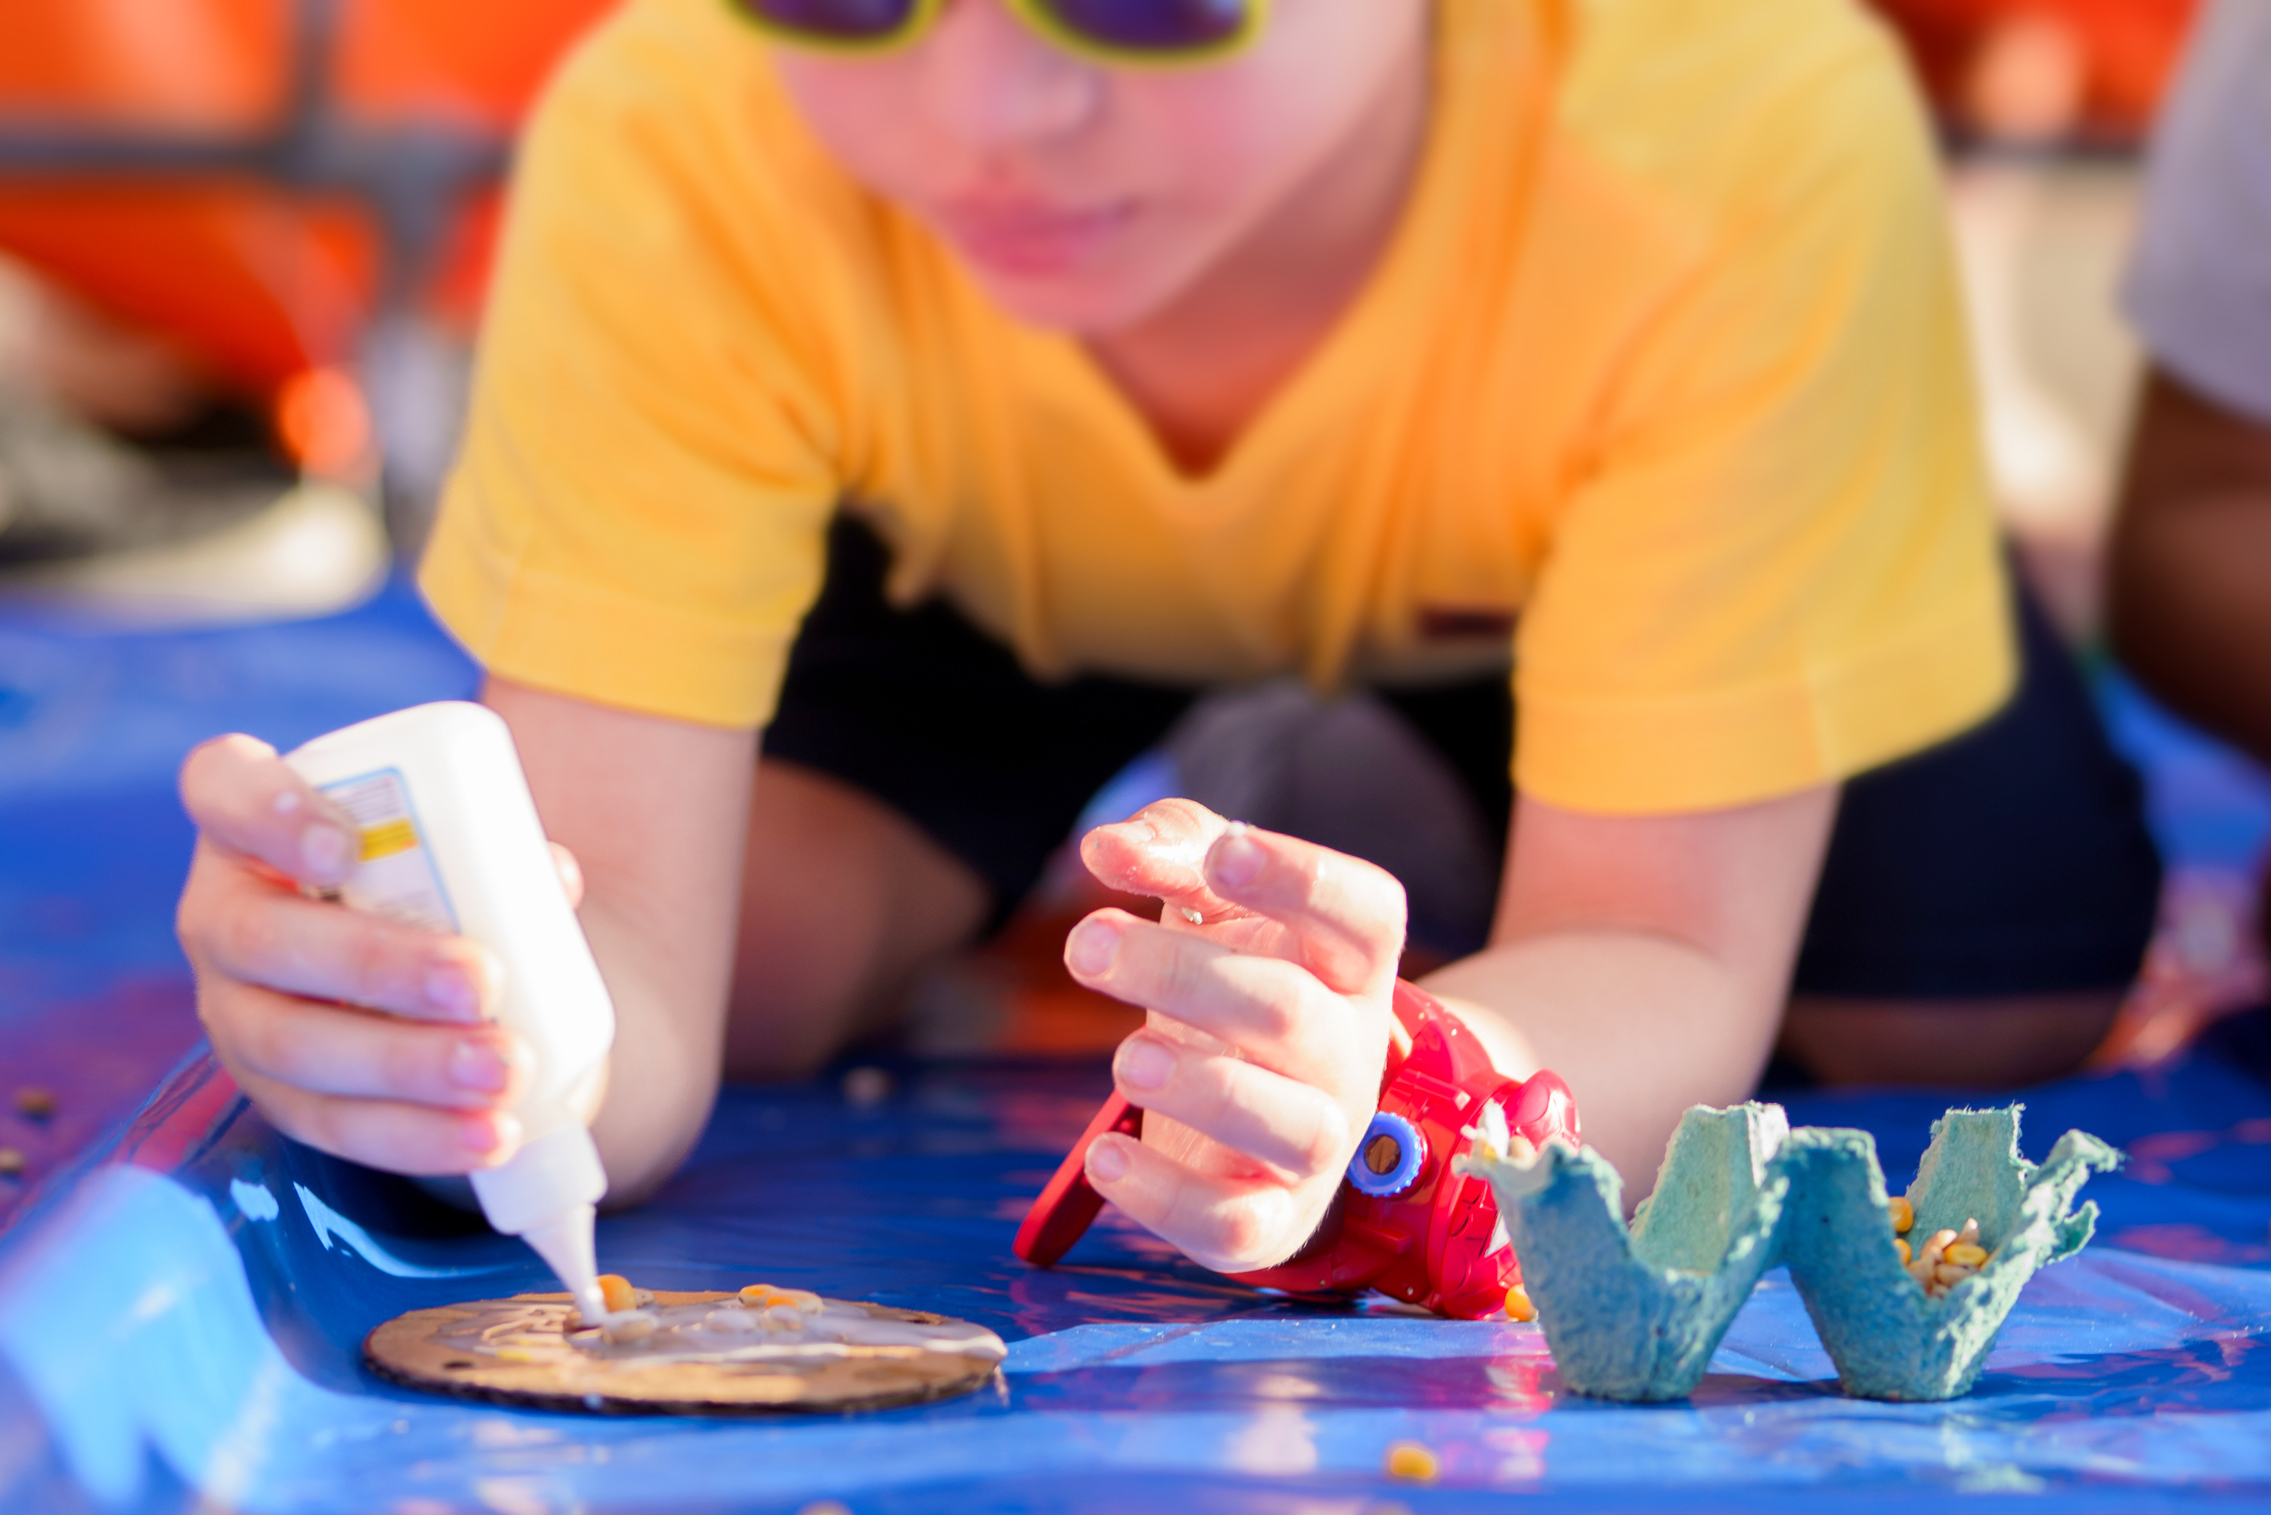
[388,839]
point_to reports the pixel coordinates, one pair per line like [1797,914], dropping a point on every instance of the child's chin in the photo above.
[1076,304]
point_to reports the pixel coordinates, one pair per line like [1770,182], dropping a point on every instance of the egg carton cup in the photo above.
[1634,1313]
[1888,1337]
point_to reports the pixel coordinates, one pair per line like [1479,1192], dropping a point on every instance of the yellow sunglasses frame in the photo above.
[1036,16]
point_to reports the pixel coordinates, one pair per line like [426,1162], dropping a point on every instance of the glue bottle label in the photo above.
[395,874]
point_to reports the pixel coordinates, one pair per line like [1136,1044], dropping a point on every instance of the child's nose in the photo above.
[992,82]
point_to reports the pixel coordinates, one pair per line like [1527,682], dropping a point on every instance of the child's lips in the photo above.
[1029,239]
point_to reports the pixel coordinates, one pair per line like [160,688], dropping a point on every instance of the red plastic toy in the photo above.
[1403,1223]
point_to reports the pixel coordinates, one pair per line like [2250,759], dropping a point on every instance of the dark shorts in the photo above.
[2011,860]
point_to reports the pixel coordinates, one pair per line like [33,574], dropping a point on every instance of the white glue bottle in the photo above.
[450,840]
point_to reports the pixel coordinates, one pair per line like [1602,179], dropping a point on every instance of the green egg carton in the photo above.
[1887,1336]
[1634,1313]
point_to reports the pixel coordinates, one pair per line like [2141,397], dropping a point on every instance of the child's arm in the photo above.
[2188,578]
[1643,959]
[651,809]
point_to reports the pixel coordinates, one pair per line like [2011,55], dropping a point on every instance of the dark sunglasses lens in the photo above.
[1153,26]
[833,20]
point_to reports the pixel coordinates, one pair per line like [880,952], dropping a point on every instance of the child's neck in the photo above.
[1203,368]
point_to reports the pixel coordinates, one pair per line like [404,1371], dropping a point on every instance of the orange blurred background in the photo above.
[252,180]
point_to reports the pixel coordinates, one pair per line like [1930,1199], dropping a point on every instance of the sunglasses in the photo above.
[1137,33]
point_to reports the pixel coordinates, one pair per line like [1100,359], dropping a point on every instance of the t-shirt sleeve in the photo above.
[2199,290]
[638,512]
[1778,565]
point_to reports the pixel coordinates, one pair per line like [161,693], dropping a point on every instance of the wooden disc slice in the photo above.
[517,1351]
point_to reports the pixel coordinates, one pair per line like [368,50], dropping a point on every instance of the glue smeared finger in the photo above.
[1160,851]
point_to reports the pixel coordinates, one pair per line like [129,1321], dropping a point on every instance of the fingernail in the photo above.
[1107,1164]
[325,850]
[288,803]
[450,988]
[1144,1064]
[1093,946]
[479,1065]
[1237,859]
[493,1134]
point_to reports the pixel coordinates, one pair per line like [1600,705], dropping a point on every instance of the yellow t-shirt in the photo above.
[1665,357]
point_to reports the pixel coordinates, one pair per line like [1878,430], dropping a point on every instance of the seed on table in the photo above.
[1412,1460]
[616,1293]
[1518,1306]
[1903,1214]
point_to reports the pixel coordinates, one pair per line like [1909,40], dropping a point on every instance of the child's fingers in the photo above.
[235,924]
[1347,914]
[1294,1127]
[246,799]
[1231,1225]
[1275,1012]
[1158,851]
[387,1134]
[332,1049]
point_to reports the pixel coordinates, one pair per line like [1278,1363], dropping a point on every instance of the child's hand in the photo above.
[1269,1026]
[287,986]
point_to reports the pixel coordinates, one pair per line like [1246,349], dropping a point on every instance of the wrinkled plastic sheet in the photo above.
[181,1322]
[180,1316]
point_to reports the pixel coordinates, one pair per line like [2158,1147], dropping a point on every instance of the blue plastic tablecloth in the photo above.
[183,1319]
[180,1311]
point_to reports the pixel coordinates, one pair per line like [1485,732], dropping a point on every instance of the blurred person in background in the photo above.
[2189,575]
[111,437]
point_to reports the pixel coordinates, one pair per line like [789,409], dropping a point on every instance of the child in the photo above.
[1141,346]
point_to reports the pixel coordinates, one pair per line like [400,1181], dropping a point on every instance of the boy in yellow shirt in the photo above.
[947,389]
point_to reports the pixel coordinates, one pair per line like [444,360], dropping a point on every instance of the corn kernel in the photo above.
[798,1299]
[1903,1214]
[1902,1243]
[1409,1459]
[616,1293]
[1518,1306]
[1969,1254]
[757,1294]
